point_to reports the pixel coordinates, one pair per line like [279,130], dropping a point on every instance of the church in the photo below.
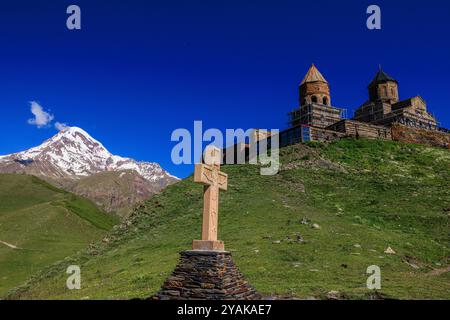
[384,106]
[382,116]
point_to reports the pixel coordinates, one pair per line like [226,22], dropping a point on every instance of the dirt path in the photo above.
[438,272]
[9,245]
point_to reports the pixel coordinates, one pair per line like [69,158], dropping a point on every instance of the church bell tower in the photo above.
[383,88]
[315,102]
[314,88]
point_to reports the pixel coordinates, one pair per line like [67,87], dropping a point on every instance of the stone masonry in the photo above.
[420,136]
[206,275]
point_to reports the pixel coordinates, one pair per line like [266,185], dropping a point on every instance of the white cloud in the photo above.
[41,117]
[61,126]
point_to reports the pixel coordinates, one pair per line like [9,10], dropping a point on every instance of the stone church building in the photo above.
[315,102]
[384,106]
[382,116]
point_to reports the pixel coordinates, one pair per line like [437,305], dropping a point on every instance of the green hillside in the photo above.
[40,224]
[348,201]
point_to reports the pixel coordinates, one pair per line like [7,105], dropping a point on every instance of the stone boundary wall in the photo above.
[318,134]
[354,129]
[420,136]
[359,129]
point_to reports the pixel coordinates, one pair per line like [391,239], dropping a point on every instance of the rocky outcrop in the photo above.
[206,275]
[116,191]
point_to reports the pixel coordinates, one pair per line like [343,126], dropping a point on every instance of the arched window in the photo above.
[314,99]
[325,101]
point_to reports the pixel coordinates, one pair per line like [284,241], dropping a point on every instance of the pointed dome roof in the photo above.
[381,77]
[313,75]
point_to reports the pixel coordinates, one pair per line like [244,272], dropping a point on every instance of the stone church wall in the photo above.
[319,134]
[420,136]
[359,129]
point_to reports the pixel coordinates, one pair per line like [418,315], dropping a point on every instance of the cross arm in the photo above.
[202,174]
[207,175]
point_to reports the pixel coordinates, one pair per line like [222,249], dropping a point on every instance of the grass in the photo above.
[45,223]
[365,196]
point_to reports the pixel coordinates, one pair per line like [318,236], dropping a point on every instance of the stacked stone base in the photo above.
[206,275]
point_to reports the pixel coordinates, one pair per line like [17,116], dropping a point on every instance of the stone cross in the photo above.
[213,179]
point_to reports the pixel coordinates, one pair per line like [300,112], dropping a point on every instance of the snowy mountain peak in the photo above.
[66,144]
[73,153]
[80,136]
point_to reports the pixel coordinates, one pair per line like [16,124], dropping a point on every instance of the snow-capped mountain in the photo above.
[72,156]
[73,153]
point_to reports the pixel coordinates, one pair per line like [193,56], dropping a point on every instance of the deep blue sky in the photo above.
[140,69]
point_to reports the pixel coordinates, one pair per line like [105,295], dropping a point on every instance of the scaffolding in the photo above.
[317,115]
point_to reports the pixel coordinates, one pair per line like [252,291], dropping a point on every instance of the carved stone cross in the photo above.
[213,179]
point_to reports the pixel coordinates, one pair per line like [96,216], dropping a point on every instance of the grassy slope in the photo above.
[382,194]
[45,223]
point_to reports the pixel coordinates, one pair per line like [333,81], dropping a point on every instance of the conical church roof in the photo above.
[313,75]
[381,77]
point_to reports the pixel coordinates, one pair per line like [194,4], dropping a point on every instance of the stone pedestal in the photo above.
[206,275]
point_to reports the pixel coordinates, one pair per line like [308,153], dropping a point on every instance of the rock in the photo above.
[333,295]
[412,265]
[304,221]
[276,242]
[412,262]
[299,237]
[207,285]
[172,293]
[389,250]
[357,245]
[315,226]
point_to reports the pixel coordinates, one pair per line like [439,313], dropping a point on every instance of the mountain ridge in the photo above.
[72,155]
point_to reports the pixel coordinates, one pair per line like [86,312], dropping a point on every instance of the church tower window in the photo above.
[314,99]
